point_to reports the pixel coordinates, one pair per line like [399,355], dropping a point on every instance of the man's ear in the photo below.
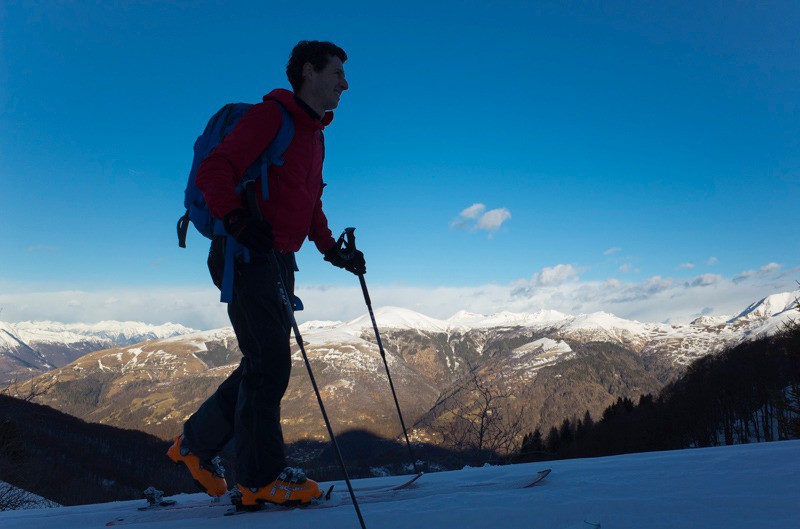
[308,70]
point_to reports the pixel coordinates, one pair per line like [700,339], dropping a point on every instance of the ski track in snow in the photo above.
[737,487]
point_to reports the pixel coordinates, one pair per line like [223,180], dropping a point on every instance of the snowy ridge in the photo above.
[8,338]
[39,346]
[773,305]
[761,318]
[399,318]
[116,332]
[469,320]
[27,348]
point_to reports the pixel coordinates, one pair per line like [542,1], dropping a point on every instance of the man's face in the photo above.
[326,86]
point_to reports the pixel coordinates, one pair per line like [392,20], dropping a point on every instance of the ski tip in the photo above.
[539,477]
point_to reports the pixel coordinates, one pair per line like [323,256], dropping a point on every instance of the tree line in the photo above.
[746,393]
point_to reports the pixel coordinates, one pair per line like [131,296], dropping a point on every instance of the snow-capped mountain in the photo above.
[557,364]
[681,342]
[28,348]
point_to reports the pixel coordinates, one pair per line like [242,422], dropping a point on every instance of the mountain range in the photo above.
[519,371]
[30,348]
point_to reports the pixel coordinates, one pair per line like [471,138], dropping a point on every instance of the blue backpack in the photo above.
[197,212]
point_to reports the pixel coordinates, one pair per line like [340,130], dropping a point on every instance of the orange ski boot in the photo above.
[210,475]
[291,487]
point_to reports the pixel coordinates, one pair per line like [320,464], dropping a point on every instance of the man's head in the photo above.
[316,73]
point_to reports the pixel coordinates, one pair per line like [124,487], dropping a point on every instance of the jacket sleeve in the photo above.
[320,234]
[222,170]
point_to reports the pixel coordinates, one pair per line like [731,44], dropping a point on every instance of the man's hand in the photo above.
[254,234]
[351,261]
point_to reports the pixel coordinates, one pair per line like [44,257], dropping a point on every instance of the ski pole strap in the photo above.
[183,226]
[347,241]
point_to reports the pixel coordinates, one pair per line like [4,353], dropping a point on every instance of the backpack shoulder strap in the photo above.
[274,153]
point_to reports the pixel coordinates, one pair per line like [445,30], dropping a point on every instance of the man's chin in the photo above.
[333,103]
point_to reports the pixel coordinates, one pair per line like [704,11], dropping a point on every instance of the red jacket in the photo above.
[294,206]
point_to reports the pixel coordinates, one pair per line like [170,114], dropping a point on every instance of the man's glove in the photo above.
[254,234]
[351,261]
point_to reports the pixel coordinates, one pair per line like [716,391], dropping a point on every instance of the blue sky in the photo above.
[639,159]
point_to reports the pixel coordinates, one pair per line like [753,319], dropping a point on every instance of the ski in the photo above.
[325,501]
[195,508]
[237,508]
[390,488]
[523,485]
[539,477]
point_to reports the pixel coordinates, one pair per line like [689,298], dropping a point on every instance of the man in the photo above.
[246,406]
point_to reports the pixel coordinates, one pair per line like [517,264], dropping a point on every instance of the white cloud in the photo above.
[749,274]
[492,220]
[476,217]
[628,268]
[711,261]
[559,287]
[685,266]
[473,212]
[612,251]
[556,275]
[704,280]
[198,308]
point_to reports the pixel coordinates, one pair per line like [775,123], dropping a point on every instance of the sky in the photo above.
[641,159]
[696,488]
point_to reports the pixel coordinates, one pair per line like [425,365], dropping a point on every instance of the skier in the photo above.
[246,406]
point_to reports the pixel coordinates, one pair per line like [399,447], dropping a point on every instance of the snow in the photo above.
[761,318]
[469,320]
[116,331]
[543,347]
[26,500]
[735,487]
[319,324]
[705,333]
[770,306]
[397,317]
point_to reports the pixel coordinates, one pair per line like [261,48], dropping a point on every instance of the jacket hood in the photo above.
[286,98]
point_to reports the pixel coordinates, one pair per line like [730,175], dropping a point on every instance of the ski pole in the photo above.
[287,304]
[349,238]
[290,311]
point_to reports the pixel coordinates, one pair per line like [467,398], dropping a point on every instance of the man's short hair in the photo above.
[312,51]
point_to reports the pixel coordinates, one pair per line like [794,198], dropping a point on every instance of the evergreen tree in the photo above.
[553,441]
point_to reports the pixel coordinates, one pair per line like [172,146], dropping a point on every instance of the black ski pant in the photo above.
[246,406]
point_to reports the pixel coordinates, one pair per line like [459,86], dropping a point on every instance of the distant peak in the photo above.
[770,306]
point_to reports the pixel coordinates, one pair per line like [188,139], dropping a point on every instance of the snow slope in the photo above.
[737,487]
